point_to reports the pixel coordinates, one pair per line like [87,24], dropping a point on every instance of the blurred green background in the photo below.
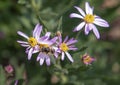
[23,15]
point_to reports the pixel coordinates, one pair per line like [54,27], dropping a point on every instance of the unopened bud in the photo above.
[9,68]
[58,33]
[54,79]
[87,60]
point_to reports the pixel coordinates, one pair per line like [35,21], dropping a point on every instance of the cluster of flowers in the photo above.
[45,46]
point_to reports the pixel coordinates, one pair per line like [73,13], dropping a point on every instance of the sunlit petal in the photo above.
[88,9]
[63,56]
[75,15]
[69,57]
[48,61]
[22,34]
[80,10]
[30,53]
[95,31]
[79,27]
[101,22]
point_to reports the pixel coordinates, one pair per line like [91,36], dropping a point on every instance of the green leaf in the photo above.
[19,71]
[19,82]
[36,4]
[21,1]
[80,50]
[83,48]
[2,76]
[59,28]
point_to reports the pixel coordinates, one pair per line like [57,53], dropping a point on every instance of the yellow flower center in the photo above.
[43,45]
[32,41]
[87,59]
[89,18]
[64,47]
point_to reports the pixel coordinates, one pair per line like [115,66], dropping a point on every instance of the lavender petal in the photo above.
[87,29]
[63,56]
[101,22]
[88,9]
[79,27]
[30,53]
[22,34]
[95,31]
[69,57]
[80,10]
[75,15]
[48,61]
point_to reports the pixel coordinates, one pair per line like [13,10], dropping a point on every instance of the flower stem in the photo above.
[36,10]
[77,35]
[40,21]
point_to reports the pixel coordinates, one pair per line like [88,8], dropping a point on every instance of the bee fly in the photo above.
[47,50]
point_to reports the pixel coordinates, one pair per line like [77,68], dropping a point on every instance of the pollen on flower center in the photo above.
[32,41]
[89,18]
[64,47]
[87,59]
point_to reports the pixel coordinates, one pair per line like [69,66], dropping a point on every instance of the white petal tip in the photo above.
[75,6]
[98,37]
[18,32]
[48,64]
[71,16]
[41,64]
[62,59]
[72,60]
[75,30]
[29,58]
[86,33]
[107,25]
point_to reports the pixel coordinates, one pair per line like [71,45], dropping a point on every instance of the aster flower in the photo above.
[31,43]
[87,60]
[65,46]
[89,19]
[46,49]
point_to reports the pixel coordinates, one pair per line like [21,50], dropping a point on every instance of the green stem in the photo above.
[40,21]
[77,35]
[57,64]
[36,10]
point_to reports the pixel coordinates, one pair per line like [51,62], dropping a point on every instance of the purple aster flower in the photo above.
[32,42]
[89,20]
[46,49]
[65,46]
